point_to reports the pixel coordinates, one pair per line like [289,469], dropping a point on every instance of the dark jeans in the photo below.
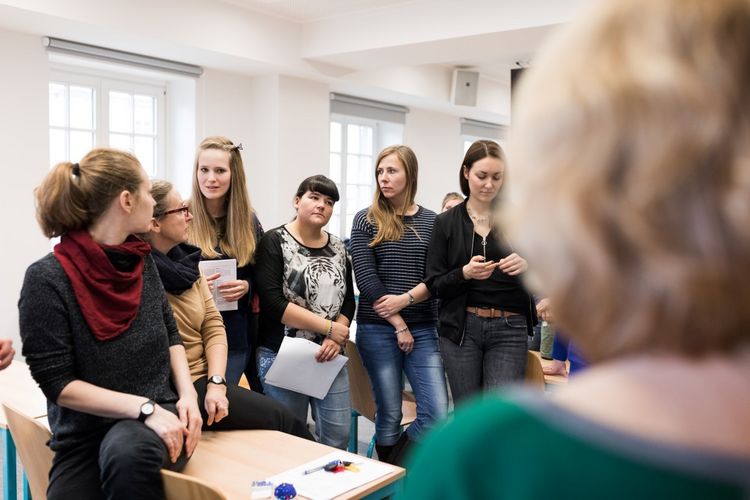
[493,354]
[122,462]
[250,410]
[236,361]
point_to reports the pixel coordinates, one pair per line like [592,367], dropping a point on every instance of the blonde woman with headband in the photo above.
[225,226]
[396,320]
[631,140]
[100,339]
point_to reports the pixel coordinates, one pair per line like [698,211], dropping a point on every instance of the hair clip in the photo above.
[238,147]
[76,170]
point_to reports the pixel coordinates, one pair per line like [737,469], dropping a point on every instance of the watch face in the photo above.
[216,379]
[147,408]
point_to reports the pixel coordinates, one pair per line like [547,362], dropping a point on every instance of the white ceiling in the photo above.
[303,11]
[403,51]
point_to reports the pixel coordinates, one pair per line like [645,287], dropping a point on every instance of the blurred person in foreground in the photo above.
[633,208]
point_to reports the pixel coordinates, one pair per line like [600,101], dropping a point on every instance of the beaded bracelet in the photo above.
[329,329]
[402,330]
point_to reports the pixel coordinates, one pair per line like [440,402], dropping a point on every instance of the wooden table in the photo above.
[232,460]
[19,390]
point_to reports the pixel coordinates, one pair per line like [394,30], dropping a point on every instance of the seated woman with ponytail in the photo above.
[100,339]
[223,406]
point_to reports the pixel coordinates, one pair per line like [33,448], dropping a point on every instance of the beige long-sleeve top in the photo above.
[200,324]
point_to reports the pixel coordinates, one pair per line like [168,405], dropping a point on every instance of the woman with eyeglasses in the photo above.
[305,284]
[201,327]
[100,339]
[486,314]
[225,226]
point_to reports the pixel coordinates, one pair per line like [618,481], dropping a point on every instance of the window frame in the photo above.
[103,82]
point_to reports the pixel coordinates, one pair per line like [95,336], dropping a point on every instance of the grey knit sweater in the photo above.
[59,348]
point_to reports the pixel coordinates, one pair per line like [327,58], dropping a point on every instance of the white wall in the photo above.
[24,141]
[436,140]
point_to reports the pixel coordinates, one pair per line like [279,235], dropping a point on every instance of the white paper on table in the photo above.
[296,368]
[227,268]
[322,485]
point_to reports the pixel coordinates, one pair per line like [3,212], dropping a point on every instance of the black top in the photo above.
[60,348]
[316,279]
[236,322]
[450,250]
[500,290]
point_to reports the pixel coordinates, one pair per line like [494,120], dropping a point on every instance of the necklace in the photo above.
[476,218]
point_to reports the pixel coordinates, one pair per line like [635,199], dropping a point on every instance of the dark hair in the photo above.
[478,150]
[318,184]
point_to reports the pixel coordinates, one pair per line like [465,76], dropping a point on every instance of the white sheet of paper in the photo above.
[228,270]
[322,485]
[296,368]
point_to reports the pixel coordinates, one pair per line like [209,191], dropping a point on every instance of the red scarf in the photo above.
[109,299]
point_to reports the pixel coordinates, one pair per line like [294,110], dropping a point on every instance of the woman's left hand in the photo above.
[388,305]
[405,341]
[190,416]
[328,350]
[513,264]
[216,403]
[233,290]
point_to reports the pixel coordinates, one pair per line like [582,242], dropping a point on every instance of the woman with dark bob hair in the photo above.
[305,284]
[100,339]
[633,207]
[485,313]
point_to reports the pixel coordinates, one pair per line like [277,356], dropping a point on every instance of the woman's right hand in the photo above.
[339,333]
[478,269]
[169,428]
[210,280]
[328,350]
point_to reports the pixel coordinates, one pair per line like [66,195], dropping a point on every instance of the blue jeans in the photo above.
[236,362]
[385,362]
[493,354]
[332,414]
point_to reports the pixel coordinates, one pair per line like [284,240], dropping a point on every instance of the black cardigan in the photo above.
[450,250]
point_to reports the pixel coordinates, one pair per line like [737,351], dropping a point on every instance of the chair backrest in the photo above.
[183,487]
[534,372]
[31,437]
[363,400]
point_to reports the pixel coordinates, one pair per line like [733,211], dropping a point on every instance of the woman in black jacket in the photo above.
[485,313]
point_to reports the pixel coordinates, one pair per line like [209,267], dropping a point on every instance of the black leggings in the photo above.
[250,410]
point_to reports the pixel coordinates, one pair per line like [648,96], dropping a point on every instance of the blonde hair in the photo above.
[632,154]
[74,195]
[203,232]
[382,214]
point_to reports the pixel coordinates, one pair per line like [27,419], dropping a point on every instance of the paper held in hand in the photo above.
[296,368]
[227,268]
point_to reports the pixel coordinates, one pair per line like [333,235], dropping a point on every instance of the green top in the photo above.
[521,446]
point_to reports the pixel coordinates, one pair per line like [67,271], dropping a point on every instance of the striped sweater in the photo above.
[392,267]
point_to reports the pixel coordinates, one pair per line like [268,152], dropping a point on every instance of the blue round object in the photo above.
[285,491]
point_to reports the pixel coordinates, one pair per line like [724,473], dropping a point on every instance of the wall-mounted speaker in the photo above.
[464,87]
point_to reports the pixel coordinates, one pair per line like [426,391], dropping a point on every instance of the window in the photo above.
[352,156]
[472,130]
[360,129]
[87,111]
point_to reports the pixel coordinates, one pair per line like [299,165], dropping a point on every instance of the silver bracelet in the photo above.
[402,330]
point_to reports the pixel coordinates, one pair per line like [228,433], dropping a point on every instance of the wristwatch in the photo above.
[411,298]
[217,379]
[147,409]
